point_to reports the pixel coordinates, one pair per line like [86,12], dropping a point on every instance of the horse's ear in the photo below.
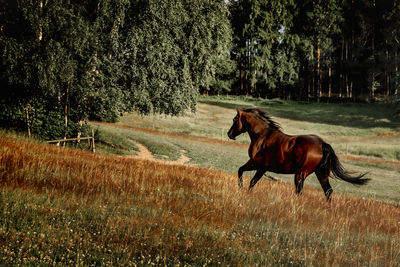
[239,111]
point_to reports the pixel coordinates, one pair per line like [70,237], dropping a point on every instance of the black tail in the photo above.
[331,162]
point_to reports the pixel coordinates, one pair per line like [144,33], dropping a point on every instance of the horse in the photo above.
[274,151]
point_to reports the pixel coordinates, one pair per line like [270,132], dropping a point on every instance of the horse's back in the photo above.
[309,139]
[308,151]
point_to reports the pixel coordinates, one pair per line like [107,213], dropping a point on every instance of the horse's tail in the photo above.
[330,162]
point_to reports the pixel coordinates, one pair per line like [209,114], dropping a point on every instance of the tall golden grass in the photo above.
[149,213]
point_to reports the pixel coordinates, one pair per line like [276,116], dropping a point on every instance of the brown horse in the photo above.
[272,150]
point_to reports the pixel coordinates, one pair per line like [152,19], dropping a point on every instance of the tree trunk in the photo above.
[246,83]
[342,69]
[248,71]
[351,93]
[387,78]
[346,82]
[330,81]
[319,73]
[241,76]
[308,87]
[28,122]
[372,94]
[40,23]
[66,109]
[396,71]
[351,89]
[311,92]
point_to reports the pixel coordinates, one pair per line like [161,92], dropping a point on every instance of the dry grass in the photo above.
[73,207]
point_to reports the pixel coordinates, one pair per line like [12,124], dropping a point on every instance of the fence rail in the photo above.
[69,139]
[78,139]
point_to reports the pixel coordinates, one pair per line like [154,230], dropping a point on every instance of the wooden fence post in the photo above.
[93,146]
[78,140]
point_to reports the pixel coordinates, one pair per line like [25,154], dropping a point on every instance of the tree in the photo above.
[392,33]
[104,75]
[24,55]
[64,62]
[266,48]
[52,60]
[175,45]
[318,21]
[367,51]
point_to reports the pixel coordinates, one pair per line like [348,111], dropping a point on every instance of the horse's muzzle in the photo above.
[231,135]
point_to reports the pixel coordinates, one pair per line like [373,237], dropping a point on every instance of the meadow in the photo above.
[353,130]
[72,207]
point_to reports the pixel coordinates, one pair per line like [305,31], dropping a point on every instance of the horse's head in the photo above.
[237,127]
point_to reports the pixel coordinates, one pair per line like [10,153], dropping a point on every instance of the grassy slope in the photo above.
[350,128]
[73,207]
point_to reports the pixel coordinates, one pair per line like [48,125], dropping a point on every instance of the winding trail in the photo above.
[144,153]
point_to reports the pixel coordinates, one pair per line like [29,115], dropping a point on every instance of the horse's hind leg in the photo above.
[323,178]
[298,182]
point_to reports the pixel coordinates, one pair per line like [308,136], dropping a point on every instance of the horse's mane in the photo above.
[263,115]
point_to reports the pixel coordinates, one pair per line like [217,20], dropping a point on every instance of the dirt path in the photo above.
[146,154]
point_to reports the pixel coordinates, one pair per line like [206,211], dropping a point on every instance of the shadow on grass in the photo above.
[355,115]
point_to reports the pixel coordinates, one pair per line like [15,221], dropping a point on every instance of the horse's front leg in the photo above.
[256,177]
[248,166]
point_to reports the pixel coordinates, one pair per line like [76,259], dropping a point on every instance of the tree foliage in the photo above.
[78,60]
[66,61]
[307,49]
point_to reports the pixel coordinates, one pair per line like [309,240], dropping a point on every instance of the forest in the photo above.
[64,62]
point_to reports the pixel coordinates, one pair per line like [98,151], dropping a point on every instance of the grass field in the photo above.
[76,208]
[352,129]
[72,207]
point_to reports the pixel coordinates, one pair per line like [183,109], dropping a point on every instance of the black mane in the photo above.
[265,117]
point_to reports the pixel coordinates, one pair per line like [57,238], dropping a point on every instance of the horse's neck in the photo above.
[258,130]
